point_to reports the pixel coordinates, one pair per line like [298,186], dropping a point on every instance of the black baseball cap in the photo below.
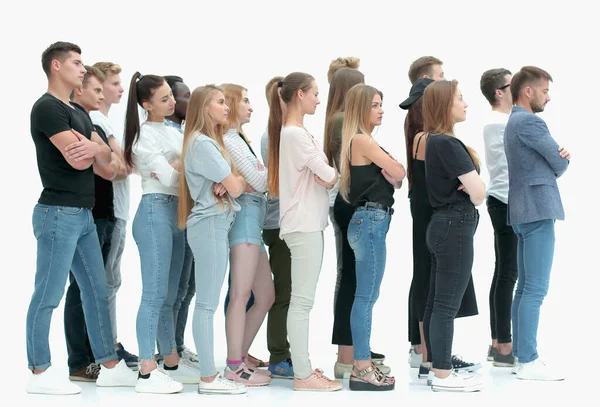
[416,91]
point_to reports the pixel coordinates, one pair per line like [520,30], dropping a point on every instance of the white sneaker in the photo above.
[118,376]
[48,383]
[159,382]
[187,372]
[189,355]
[221,385]
[458,383]
[414,359]
[538,370]
[516,366]
[430,377]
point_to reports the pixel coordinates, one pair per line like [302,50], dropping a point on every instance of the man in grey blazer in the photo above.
[535,161]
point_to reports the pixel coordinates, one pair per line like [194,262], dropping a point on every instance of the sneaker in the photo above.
[424,370]
[457,383]
[377,358]
[516,366]
[501,360]
[47,383]
[255,361]
[282,370]
[118,376]
[186,372]
[187,353]
[86,374]
[343,371]
[538,370]
[491,352]
[430,377]
[414,359]
[317,381]
[249,377]
[157,382]
[221,385]
[264,372]
[129,358]
[460,365]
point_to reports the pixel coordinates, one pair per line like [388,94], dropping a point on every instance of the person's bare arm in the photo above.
[474,186]
[67,138]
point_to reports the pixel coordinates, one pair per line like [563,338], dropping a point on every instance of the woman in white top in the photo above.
[209,185]
[154,150]
[249,270]
[300,174]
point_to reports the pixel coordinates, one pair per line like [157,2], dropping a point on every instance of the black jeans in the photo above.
[450,240]
[505,271]
[78,345]
[345,290]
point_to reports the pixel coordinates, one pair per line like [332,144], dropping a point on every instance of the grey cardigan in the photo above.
[534,164]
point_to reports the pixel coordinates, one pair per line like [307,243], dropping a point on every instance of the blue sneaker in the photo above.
[282,370]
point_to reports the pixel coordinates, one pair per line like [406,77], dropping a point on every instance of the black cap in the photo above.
[416,91]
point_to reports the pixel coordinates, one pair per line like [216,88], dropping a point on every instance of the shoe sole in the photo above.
[503,364]
[282,377]
[320,390]
[222,392]
[469,389]
[51,392]
[81,379]
[364,386]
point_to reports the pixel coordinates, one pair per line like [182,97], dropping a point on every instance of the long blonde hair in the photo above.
[438,99]
[233,96]
[198,120]
[357,120]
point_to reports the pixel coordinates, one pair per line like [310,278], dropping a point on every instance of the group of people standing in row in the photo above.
[208,202]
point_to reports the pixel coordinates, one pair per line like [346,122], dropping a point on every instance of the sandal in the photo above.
[371,379]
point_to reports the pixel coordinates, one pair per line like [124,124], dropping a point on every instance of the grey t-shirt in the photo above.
[272,218]
[205,166]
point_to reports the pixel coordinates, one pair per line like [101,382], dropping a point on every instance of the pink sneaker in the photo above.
[317,381]
[252,366]
[247,376]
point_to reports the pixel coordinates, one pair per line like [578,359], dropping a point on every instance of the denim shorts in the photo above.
[249,221]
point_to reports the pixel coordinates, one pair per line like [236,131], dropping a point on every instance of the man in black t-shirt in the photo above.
[81,358]
[68,153]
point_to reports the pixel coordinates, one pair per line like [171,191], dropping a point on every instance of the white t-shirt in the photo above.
[121,188]
[495,157]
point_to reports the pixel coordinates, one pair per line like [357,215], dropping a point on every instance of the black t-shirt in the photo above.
[446,158]
[104,207]
[63,184]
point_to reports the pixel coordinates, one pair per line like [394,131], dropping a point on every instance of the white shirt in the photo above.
[120,188]
[495,157]
[156,147]
[246,162]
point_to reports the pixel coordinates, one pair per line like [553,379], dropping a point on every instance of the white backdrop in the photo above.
[248,43]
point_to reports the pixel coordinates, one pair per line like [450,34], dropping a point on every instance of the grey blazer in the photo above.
[534,164]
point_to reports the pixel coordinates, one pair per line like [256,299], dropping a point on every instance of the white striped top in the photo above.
[246,162]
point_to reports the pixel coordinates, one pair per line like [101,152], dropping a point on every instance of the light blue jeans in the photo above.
[67,240]
[366,235]
[535,253]
[209,241]
[161,246]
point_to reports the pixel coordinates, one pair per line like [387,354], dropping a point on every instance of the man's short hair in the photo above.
[527,76]
[422,66]
[172,80]
[94,72]
[60,51]
[490,81]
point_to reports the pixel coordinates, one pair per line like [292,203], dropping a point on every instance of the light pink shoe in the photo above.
[317,381]
[263,372]
[247,376]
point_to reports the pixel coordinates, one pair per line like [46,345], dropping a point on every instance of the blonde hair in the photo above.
[108,68]
[357,120]
[233,96]
[198,120]
[342,62]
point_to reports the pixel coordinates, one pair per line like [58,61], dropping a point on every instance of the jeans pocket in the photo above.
[38,221]
[438,231]
[69,210]
[161,200]
[354,229]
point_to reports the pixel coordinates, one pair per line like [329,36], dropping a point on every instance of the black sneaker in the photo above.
[460,365]
[501,360]
[424,370]
[377,358]
[131,360]
[491,353]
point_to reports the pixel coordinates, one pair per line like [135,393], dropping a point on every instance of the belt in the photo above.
[376,205]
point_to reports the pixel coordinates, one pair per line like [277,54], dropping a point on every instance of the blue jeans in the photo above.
[366,235]
[535,252]
[209,241]
[187,290]
[161,246]
[450,240]
[67,240]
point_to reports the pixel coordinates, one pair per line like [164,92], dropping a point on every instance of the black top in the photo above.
[105,207]
[418,193]
[63,184]
[446,158]
[367,184]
